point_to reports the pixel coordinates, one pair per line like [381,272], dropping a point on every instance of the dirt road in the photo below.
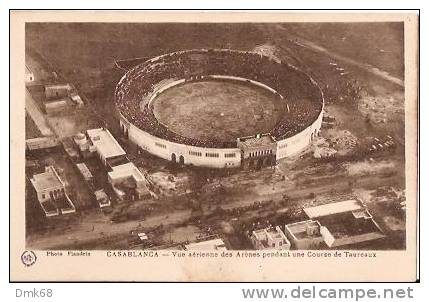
[95,228]
[92,230]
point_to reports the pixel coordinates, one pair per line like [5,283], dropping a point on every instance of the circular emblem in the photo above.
[28,258]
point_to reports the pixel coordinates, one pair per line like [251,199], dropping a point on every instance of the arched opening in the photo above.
[266,162]
[259,163]
[173,157]
[312,136]
[274,162]
[181,160]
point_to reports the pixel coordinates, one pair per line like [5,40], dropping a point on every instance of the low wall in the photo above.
[164,88]
[211,77]
[234,78]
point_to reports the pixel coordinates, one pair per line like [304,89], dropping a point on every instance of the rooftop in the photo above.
[46,180]
[252,142]
[58,86]
[347,225]
[84,170]
[105,143]
[100,194]
[264,236]
[214,244]
[334,208]
[300,230]
[56,102]
[125,170]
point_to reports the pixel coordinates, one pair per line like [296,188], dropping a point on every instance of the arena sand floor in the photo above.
[221,110]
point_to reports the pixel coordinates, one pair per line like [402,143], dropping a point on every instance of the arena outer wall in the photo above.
[214,157]
[168,150]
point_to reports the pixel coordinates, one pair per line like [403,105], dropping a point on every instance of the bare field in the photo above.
[222,110]
[380,45]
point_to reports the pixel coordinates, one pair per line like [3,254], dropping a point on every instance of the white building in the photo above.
[345,223]
[305,235]
[50,190]
[125,178]
[209,245]
[76,99]
[40,143]
[105,145]
[257,151]
[270,239]
[333,208]
[128,175]
[102,198]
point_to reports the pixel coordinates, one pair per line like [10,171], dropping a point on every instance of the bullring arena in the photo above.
[219,108]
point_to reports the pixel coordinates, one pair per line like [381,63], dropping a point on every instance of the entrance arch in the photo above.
[259,164]
[173,157]
[266,162]
[181,160]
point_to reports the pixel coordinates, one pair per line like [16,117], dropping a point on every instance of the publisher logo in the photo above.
[28,258]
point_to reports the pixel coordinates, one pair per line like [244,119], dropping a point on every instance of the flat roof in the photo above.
[124,170]
[214,244]
[253,142]
[75,97]
[105,143]
[100,194]
[46,180]
[263,234]
[260,234]
[84,170]
[346,225]
[57,102]
[58,86]
[334,208]
[301,226]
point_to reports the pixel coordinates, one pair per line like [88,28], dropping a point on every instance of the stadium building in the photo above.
[219,108]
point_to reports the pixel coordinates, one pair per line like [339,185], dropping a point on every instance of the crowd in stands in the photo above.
[303,98]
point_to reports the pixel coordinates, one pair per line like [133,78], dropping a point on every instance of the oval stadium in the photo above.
[219,108]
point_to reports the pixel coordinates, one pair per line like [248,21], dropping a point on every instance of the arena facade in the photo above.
[294,131]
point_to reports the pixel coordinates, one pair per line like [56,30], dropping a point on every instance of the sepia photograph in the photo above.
[288,138]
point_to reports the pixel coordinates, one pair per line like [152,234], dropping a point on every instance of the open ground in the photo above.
[221,110]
